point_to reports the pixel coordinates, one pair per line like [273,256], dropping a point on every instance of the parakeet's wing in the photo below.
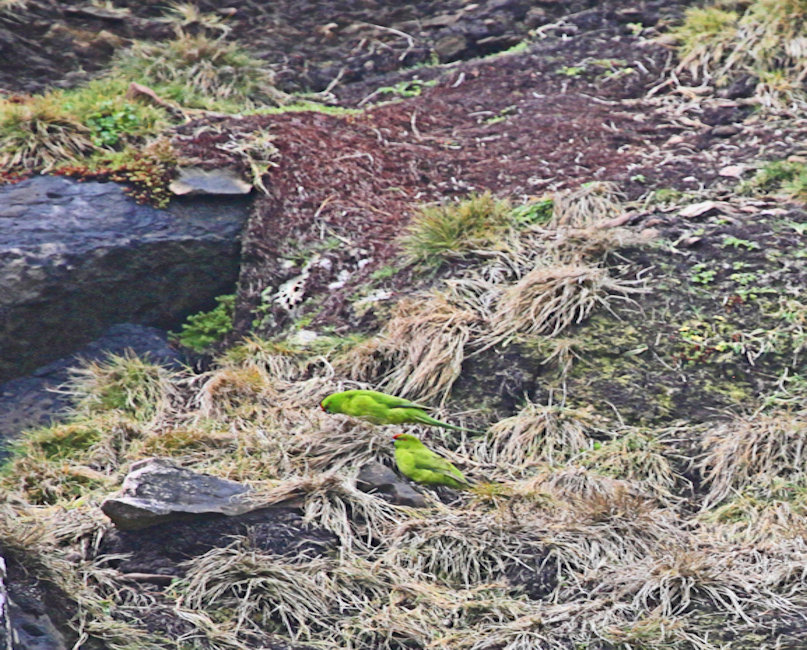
[393,402]
[428,460]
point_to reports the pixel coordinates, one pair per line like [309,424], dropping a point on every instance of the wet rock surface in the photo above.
[157,491]
[76,258]
[160,549]
[377,478]
[33,401]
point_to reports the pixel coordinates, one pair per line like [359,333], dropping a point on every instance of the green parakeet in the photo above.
[380,408]
[420,464]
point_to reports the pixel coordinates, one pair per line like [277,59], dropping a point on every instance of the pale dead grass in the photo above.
[536,435]
[637,455]
[548,300]
[463,549]
[586,206]
[752,449]
[424,343]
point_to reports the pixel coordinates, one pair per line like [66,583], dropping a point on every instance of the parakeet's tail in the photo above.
[422,418]
[445,425]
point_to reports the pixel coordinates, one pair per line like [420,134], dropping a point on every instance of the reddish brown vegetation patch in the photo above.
[515,125]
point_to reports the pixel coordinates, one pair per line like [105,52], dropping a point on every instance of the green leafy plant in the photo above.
[702,274]
[203,330]
[533,213]
[411,88]
[108,122]
[736,242]
[146,173]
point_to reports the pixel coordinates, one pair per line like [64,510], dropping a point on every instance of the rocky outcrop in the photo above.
[5,619]
[32,401]
[380,479]
[156,491]
[76,258]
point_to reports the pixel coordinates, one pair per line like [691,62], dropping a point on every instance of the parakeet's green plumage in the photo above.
[419,463]
[380,408]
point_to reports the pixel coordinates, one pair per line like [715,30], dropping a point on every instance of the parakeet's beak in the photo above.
[396,436]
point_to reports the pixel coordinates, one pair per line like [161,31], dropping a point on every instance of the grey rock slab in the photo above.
[156,490]
[375,477]
[32,401]
[195,181]
[5,616]
[76,258]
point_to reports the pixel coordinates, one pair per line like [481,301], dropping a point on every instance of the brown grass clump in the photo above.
[538,434]
[762,38]
[332,501]
[761,515]
[549,299]
[338,442]
[277,360]
[68,461]
[753,450]
[228,391]
[424,342]
[673,582]
[636,455]
[586,206]
[121,383]
[464,549]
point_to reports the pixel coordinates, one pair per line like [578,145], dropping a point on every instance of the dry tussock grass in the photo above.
[39,133]
[334,443]
[124,383]
[424,343]
[763,39]
[638,456]
[549,299]
[538,434]
[229,391]
[278,361]
[751,518]
[332,501]
[752,450]
[463,549]
[586,206]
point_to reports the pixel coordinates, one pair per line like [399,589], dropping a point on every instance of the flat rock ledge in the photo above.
[156,491]
[377,478]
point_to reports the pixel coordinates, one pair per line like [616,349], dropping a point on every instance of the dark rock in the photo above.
[631,15]
[156,491]
[38,611]
[161,549]
[492,44]
[725,130]
[440,21]
[33,630]
[536,16]
[76,258]
[451,47]
[375,477]
[5,617]
[30,402]
[743,87]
